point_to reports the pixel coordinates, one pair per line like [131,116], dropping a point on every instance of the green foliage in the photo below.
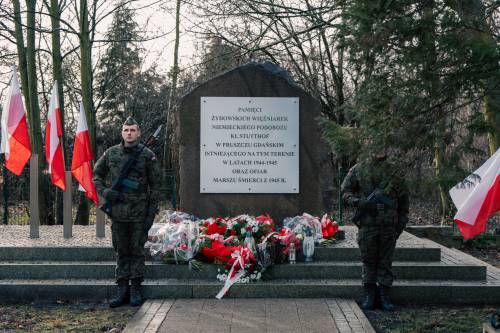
[482,241]
[119,68]
[422,65]
[123,88]
[343,140]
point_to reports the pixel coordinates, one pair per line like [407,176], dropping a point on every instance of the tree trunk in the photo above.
[86,71]
[55,15]
[82,215]
[46,215]
[172,100]
[438,170]
[83,210]
[491,107]
[473,13]
[430,75]
[23,67]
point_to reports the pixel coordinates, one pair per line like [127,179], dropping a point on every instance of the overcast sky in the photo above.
[161,21]
[156,18]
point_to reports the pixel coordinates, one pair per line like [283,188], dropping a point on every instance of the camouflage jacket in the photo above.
[146,174]
[364,178]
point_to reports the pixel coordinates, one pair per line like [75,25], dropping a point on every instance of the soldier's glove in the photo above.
[112,195]
[367,206]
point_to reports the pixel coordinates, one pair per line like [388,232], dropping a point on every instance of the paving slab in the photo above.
[52,236]
[250,315]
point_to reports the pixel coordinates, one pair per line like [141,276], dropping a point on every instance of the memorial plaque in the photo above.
[249,145]
[209,148]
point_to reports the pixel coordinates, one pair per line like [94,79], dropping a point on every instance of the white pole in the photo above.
[34,207]
[67,208]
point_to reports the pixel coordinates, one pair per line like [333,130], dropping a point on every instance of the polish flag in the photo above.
[478,197]
[53,146]
[15,138]
[82,157]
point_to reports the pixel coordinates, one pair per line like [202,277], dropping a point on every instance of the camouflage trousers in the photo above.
[377,244]
[128,243]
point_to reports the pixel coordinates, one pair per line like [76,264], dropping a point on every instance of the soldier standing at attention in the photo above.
[133,208]
[381,198]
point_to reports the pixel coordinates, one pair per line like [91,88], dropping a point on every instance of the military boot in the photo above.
[385,300]
[369,300]
[122,294]
[136,293]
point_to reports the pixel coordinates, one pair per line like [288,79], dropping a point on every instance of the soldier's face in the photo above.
[130,133]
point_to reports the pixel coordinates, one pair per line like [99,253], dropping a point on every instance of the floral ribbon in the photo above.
[241,258]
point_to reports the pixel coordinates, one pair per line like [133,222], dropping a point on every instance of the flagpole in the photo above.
[5,194]
[34,207]
[67,208]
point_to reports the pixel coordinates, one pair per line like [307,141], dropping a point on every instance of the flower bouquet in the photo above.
[213,226]
[329,227]
[175,241]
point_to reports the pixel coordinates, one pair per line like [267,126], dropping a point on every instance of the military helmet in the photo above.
[130,121]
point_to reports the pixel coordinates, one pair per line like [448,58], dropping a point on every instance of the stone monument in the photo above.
[249,143]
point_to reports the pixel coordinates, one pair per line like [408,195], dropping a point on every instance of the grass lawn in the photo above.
[54,317]
[434,318]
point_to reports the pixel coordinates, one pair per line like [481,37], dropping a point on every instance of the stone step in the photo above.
[403,291]
[352,254]
[57,253]
[107,253]
[315,270]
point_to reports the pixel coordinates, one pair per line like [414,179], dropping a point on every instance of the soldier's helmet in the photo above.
[130,121]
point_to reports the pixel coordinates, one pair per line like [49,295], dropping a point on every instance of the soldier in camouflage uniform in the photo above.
[381,198]
[133,208]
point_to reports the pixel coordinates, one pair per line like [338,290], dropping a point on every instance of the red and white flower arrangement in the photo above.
[181,238]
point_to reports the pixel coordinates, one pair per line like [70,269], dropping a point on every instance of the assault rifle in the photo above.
[380,199]
[122,182]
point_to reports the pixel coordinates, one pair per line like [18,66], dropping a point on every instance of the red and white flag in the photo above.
[478,197]
[53,143]
[82,157]
[15,138]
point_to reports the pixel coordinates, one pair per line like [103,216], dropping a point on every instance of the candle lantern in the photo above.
[249,241]
[308,245]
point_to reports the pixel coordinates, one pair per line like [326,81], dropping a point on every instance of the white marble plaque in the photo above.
[249,145]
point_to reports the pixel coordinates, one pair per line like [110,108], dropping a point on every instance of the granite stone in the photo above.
[251,80]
